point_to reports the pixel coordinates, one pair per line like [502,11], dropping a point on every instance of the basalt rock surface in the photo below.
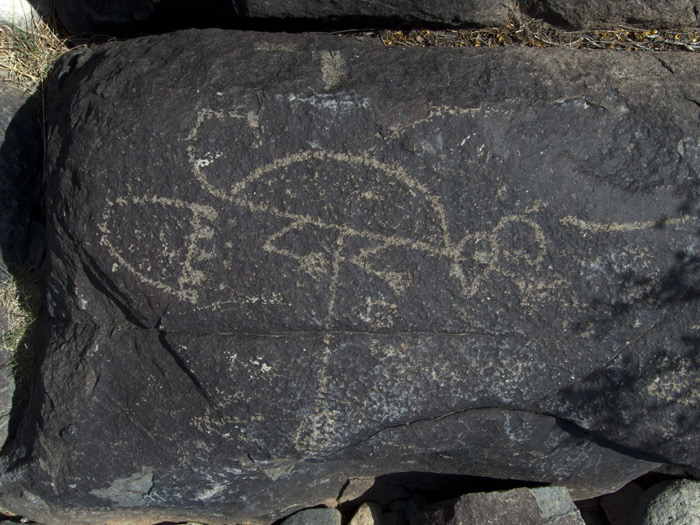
[277,262]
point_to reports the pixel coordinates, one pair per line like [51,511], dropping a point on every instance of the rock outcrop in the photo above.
[593,14]
[100,16]
[277,262]
[148,16]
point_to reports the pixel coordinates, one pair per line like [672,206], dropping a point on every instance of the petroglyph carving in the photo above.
[385,213]
[156,256]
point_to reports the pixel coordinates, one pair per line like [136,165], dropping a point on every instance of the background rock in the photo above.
[321,259]
[133,16]
[592,14]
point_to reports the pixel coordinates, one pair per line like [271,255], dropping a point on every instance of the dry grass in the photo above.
[20,305]
[522,31]
[26,57]
[25,60]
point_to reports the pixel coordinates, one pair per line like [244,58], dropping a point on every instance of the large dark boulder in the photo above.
[278,262]
[131,16]
[582,14]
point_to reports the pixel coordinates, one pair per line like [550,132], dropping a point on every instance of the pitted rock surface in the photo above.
[276,262]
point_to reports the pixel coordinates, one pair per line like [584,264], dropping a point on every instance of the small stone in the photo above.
[541,506]
[314,517]
[669,502]
[368,514]
[555,504]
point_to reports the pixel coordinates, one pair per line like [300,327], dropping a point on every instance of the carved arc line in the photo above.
[392,171]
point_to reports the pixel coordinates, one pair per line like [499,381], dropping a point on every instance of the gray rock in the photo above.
[541,506]
[7,391]
[669,502]
[314,517]
[21,13]
[320,259]
[102,16]
[583,14]
[555,505]
[7,383]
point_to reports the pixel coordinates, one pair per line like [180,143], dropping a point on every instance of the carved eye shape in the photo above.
[162,242]
[520,241]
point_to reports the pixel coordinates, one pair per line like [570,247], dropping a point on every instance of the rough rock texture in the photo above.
[278,262]
[95,16]
[669,502]
[609,13]
[538,506]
